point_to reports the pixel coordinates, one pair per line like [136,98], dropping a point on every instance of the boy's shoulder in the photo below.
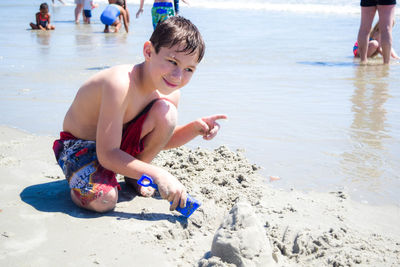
[118,71]
[117,77]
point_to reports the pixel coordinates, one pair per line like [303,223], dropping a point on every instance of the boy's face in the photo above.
[171,70]
[44,11]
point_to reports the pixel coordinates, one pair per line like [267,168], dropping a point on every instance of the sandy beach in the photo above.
[242,220]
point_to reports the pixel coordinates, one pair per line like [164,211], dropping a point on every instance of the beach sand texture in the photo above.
[251,223]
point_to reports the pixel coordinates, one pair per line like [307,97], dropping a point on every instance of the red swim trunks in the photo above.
[78,160]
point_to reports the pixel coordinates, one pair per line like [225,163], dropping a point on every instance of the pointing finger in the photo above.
[219,117]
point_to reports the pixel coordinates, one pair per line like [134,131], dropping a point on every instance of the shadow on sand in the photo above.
[55,197]
[327,64]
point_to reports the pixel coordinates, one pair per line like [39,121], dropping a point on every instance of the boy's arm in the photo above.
[140,10]
[206,126]
[108,141]
[394,54]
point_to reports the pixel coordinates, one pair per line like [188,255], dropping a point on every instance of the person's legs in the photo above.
[84,16]
[103,203]
[92,186]
[117,25]
[367,17]
[50,27]
[87,14]
[156,132]
[78,10]
[386,17]
[34,26]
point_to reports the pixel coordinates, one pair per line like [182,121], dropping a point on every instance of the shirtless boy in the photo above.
[122,117]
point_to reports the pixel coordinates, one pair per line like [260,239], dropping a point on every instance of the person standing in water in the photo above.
[385,10]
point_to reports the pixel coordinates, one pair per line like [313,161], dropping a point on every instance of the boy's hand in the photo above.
[171,189]
[208,127]
[139,12]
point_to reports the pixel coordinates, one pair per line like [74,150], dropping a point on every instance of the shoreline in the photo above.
[41,227]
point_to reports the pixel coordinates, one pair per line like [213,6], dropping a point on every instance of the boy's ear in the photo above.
[147,50]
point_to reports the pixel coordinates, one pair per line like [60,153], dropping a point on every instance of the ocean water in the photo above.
[298,103]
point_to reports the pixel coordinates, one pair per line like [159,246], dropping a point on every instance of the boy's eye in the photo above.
[172,62]
[189,70]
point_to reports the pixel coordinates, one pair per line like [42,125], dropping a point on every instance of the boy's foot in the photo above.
[140,190]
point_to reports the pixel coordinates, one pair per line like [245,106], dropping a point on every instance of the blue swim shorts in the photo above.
[88,13]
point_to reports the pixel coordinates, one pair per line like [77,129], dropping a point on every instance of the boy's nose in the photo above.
[177,74]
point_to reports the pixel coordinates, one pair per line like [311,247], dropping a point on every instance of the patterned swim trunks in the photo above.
[86,177]
[161,11]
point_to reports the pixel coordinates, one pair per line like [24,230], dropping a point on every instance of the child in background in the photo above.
[112,14]
[42,19]
[374,46]
[161,10]
[122,117]
[88,5]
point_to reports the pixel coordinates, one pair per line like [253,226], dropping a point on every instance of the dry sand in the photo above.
[242,220]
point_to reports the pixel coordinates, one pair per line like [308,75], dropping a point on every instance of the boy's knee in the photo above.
[165,114]
[374,44]
[102,203]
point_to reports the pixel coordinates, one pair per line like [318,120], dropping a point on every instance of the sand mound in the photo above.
[241,239]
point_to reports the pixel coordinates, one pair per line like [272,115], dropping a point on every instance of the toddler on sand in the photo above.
[88,5]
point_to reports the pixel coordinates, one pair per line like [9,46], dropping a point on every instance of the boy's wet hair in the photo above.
[178,31]
[44,6]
